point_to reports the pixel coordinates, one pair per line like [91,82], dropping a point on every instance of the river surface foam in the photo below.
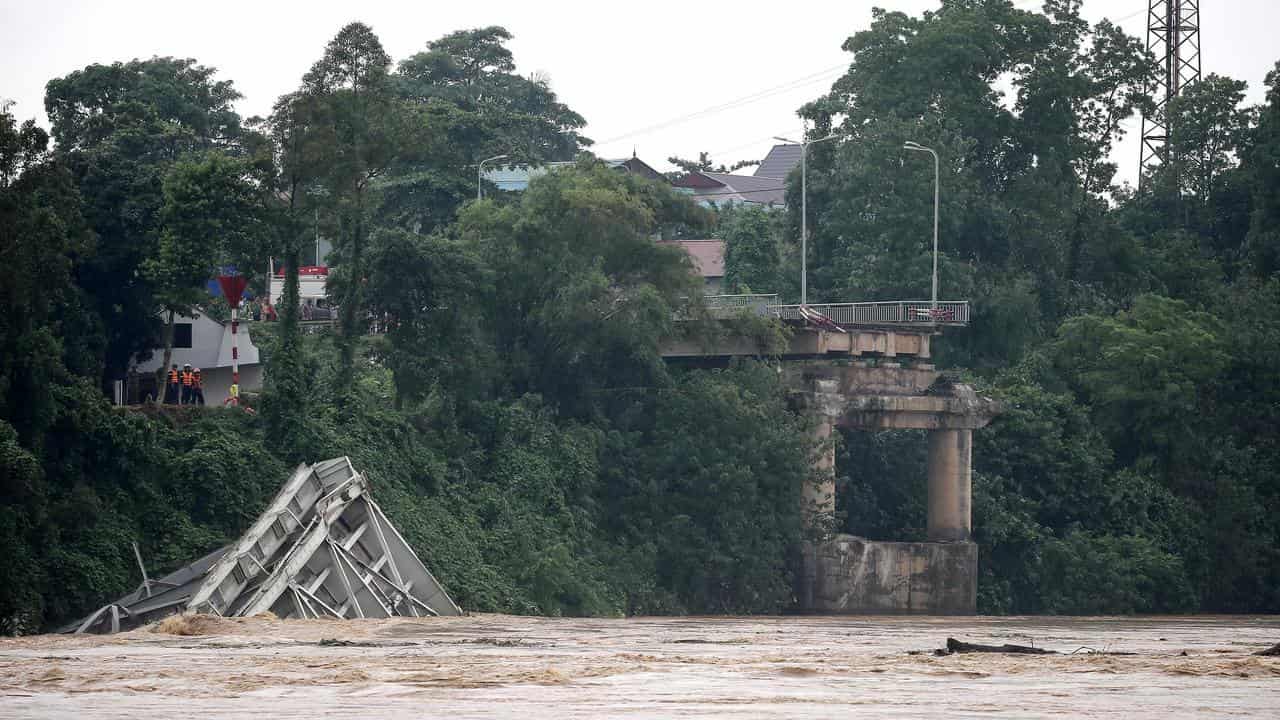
[737,667]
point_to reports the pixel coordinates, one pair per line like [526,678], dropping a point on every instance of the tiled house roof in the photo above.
[707,255]
[780,161]
[517,177]
[726,187]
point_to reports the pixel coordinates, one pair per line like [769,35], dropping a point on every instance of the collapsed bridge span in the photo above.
[322,548]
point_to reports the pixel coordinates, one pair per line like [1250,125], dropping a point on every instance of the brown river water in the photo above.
[534,668]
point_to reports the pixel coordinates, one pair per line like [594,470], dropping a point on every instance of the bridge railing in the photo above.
[719,301]
[725,307]
[905,312]
[908,312]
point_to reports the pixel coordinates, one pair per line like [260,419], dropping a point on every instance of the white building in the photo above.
[205,343]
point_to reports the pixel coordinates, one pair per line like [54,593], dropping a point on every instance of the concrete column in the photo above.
[818,496]
[950,484]
[817,511]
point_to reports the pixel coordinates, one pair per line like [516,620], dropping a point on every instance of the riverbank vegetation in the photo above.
[516,418]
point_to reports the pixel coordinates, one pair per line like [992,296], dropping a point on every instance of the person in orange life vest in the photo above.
[172,388]
[186,384]
[197,388]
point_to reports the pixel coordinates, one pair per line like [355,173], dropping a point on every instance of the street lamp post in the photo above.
[480,175]
[933,303]
[804,209]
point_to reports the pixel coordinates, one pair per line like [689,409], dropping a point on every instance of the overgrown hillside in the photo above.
[514,509]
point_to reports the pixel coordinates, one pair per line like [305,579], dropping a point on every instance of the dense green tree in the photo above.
[366,128]
[708,517]
[1145,373]
[880,484]
[162,107]
[299,153]
[1207,131]
[45,341]
[427,290]
[44,335]
[1199,188]
[1263,165]
[476,107]
[1244,401]
[473,71]
[22,508]
[1044,469]
[582,293]
[21,146]
[1107,574]
[753,254]
[119,128]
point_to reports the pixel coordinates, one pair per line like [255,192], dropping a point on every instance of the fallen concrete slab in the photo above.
[322,548]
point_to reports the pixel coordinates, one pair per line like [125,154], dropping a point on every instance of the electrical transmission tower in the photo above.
[1173,36]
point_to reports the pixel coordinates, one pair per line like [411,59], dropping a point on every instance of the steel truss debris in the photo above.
[322,548]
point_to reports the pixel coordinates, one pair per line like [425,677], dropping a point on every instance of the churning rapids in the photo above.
[503,666]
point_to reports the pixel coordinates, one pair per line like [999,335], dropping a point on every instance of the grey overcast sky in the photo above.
[636,71]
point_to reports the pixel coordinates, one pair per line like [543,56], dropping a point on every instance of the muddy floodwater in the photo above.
[533,668]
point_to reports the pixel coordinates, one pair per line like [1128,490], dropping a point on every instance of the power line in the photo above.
[1025,3]
[810,79]
[1022,5]
[747,144]
[767,93]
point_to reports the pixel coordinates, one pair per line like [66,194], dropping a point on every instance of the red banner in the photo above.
[233,288]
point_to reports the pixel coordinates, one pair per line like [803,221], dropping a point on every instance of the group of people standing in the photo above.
[261,309]
[185,387]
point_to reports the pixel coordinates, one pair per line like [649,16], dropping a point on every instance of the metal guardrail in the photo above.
[905,312]
[912,312]
[727,307]
[737,301]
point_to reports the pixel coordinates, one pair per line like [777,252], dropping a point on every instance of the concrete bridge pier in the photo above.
[817,506]
[848,574]
[818,495]
[950,485]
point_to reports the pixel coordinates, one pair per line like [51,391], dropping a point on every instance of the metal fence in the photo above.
[738,301]
[906,312]
[727,307]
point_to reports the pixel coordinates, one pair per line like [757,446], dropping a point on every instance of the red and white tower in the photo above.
[233,289]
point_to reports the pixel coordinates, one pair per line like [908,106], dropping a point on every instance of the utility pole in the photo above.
[480,174]
[937,194]
[1173,36]
[804,206]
